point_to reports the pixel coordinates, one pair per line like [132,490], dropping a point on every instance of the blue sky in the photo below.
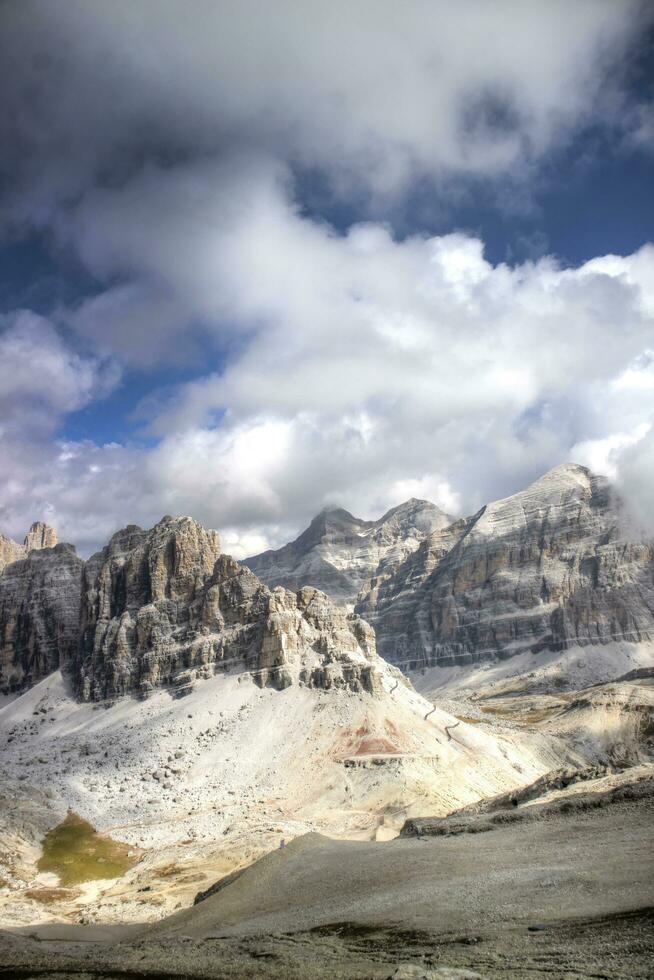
[253,265]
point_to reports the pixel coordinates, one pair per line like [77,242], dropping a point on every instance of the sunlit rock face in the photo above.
[547,568]
[39,536]
[10,551]
[39,615]
[164,607]
[340,554]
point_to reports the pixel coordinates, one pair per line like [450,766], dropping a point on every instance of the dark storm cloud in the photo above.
[373,92]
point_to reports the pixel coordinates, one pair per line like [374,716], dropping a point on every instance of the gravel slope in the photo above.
[567,895]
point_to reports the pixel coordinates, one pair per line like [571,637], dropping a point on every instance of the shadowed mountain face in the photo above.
[545,569]
[40,588]
[340,554]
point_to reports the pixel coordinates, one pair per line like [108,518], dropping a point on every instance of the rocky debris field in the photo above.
[567,895]
[205,783]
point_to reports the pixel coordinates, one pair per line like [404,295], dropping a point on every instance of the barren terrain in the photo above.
[565,893]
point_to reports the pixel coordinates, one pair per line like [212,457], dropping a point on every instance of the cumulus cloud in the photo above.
[41,377]
[168,154]
[635,476]
[420,365]
[385,369]
[625,453]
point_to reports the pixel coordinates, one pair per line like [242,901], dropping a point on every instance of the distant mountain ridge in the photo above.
[544,569]
[340,554]
[548,568]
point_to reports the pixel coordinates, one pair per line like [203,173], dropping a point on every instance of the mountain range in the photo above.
[552,567]
[340,554]
[200,710]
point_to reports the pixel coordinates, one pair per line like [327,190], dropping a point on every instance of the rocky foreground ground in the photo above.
[564,889]
[166,707]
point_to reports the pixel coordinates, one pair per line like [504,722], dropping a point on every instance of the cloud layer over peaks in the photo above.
[372,364]
[225,181]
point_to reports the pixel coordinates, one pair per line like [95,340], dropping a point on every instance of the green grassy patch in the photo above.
[75,852]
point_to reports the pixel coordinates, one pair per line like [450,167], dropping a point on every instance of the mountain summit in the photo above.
[40,535]
[340,554]
[548,568]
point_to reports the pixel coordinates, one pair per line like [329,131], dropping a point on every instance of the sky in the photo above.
[258,259]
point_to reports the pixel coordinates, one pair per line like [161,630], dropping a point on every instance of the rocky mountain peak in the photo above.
[40,535]
[410,506]
[413,519]
[164,607]
[340,554]
[330,522]
[336,515]
[171,609]
[10,551]
[546,568]
[567,471]
[39,610]
[566,478]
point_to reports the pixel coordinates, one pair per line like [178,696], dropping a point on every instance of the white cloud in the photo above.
[636,480]
[41,377]
[34,361]
[356,369]
[373,93]
[604,455]
[625,453]
[385,369]
[41,380]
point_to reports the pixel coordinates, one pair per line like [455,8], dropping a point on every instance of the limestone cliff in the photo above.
[10,551]
[40,535]
[547,568]
[340,554]
[39,615]
[544,569]
[163,607]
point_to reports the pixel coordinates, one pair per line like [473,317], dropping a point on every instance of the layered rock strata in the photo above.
[163,607]
[545,569]
[39,615]
[339,554]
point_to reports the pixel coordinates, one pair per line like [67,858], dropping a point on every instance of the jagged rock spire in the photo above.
[40,535]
